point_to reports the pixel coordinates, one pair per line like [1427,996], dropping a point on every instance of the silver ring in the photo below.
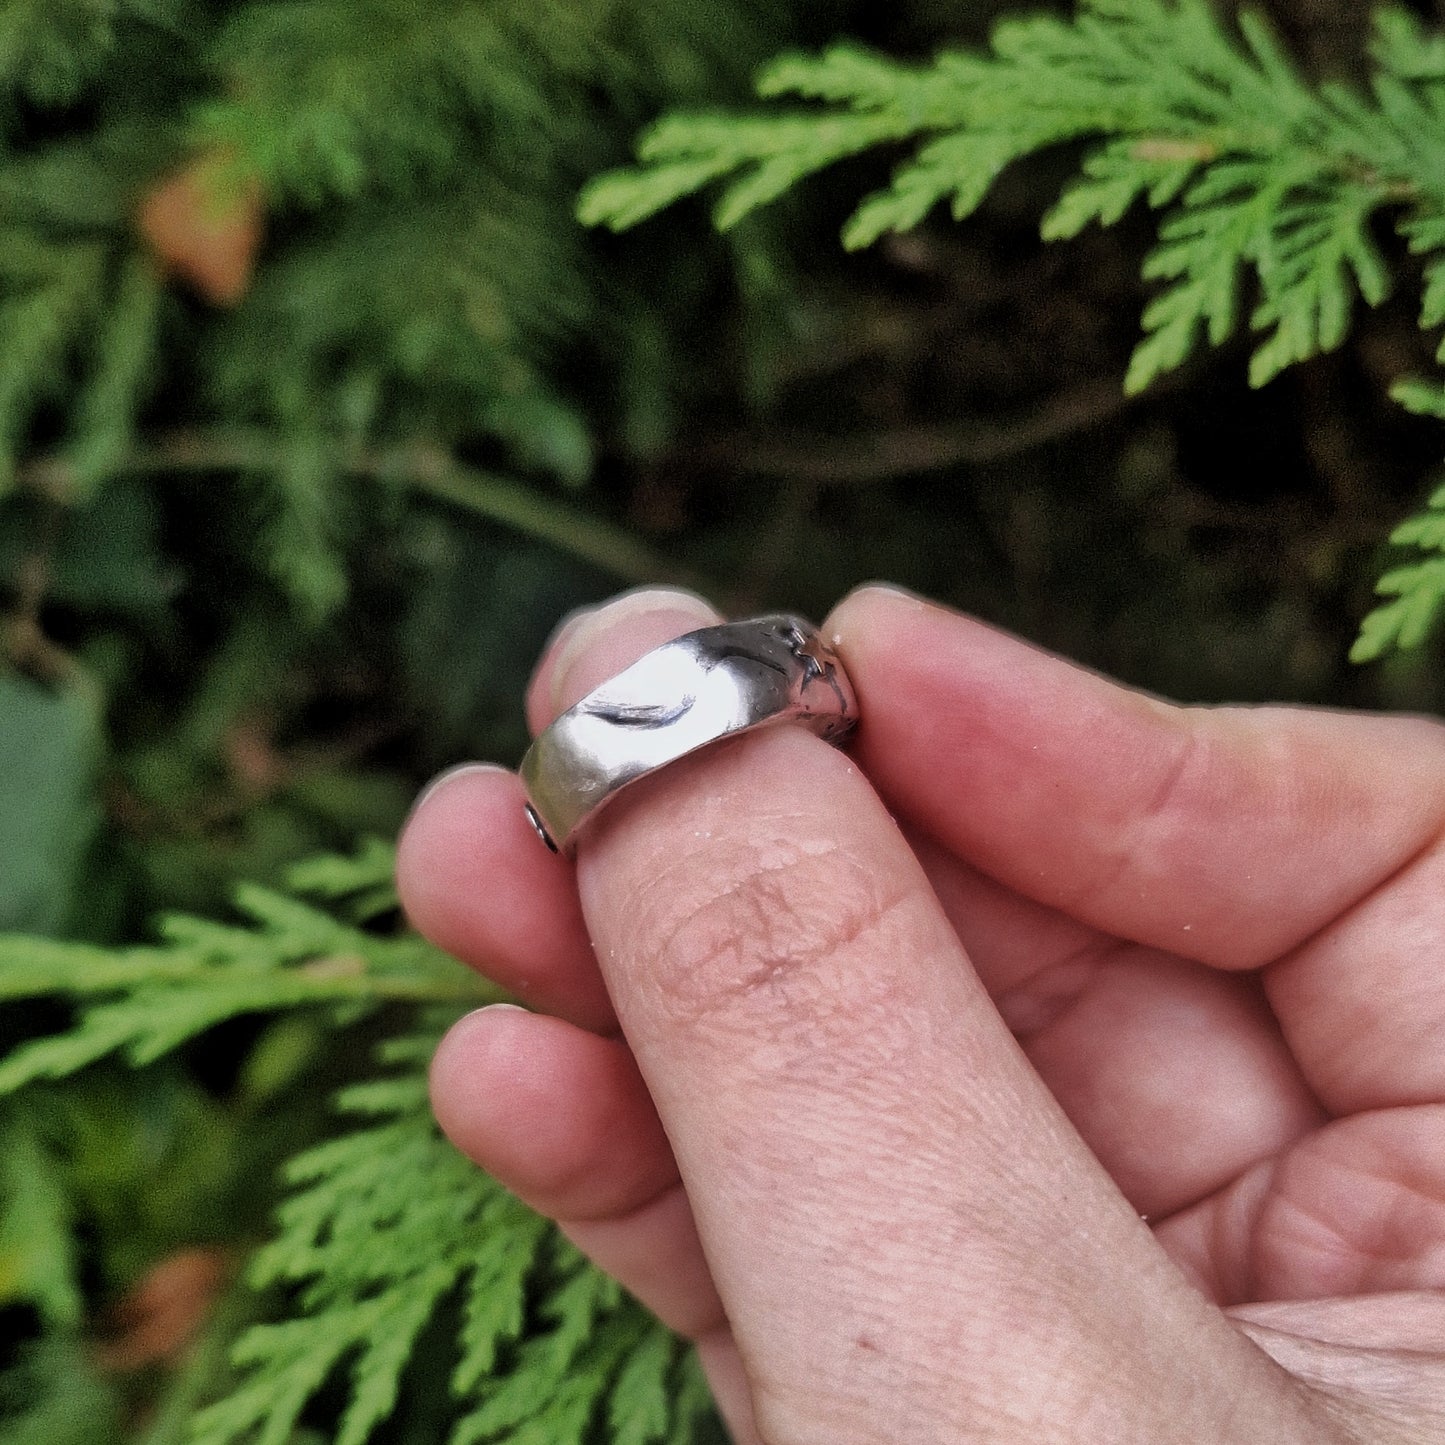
[698,689]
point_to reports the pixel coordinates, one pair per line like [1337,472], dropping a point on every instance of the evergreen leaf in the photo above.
[1401,45]
[553,1394]
[126,344]
[37,1248]
[302,535]
[52,51]
[1117,175]
[621,199]
[49,296]
[341,875]
[693,1401]
[494,1303]
[1417,589]
[53,1395]
[1259,174]
[640,1407]
[1317,247]
[850,75]
[1432,305]
[386,1352]
[385,1224]
[144,1002]
[961,167]
[1424,398]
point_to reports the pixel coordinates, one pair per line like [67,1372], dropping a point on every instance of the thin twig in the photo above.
[435,474]
[429,471]
[23,639]
[881,456]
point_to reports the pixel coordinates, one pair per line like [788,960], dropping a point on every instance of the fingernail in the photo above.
[675,611]
[444,780]
[469,1020]
[894,590]
[566,627]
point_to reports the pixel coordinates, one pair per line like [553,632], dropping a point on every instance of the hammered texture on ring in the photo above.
[698,689]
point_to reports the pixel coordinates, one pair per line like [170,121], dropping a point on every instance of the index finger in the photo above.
[1228,835]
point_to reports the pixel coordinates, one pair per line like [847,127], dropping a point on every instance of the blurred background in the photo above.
[318,409]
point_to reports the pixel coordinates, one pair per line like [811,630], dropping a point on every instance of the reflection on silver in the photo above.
[681,696]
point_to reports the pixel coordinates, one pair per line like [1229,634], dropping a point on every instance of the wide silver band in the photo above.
[695,690]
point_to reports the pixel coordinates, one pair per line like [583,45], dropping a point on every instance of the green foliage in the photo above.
[1254,170]
[375,462]
[390,1225]
[268,560]
[388,1230]
[1416,589]
[414,164]
[1256,173]
[145,1002]
[50,52]
[50,740]
[52,1397]
[37,1247]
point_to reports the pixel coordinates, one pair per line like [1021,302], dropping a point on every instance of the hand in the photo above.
[1099,1098]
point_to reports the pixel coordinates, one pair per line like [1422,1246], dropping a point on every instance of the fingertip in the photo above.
[597,644]
[477,1059]
[562,1120]
[444,810]
[443,782]
[424,836]
[871,604]
[539,688]
[474,880]
[556,1114]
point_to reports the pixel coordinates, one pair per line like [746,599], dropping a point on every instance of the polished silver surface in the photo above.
[700,688]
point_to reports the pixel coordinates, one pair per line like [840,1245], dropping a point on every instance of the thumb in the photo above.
[909,1239]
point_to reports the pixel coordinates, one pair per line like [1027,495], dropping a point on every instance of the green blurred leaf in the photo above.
[50,748]
[37,1251]
[55,1396]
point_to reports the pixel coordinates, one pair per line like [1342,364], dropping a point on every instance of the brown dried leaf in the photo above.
[204,224]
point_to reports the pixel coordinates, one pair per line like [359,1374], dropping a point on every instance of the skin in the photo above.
[1057,1065]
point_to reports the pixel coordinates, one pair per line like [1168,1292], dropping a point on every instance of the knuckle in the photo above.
[772,930]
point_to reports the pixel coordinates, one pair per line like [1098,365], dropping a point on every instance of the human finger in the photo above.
[655,615]
[899,1220]
[1356,1207]
[1382,1356]
[1302,839]
[1175,1074]
[1228,835]
[473,880]
[1362,1002]
[562,1119]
